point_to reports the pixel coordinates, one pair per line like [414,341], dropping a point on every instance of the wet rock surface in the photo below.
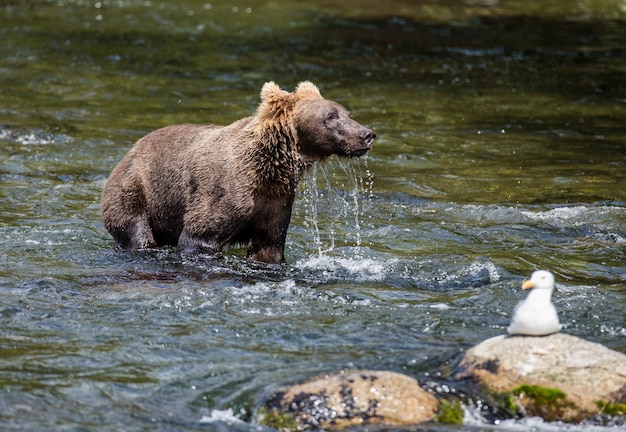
[568,373]
[353,398]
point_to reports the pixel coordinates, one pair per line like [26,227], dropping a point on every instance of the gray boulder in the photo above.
[584,373]
[354,398]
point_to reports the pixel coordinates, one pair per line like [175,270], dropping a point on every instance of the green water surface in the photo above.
[501,148]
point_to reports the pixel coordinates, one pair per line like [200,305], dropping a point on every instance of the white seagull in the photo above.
[536,315]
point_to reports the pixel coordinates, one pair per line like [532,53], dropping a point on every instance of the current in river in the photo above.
[501,149]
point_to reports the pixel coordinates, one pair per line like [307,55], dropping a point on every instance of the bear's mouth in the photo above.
[360,151]
[367,145]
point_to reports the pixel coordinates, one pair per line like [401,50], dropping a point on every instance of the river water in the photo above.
[501,149]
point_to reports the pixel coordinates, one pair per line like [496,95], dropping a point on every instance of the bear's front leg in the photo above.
[132,233]
[139,235]
[271,254]
[270,230]
[193,245]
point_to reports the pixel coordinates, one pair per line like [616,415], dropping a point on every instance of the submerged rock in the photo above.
[557,377]
[353,398]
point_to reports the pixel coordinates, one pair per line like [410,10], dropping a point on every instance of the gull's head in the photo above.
[541,279]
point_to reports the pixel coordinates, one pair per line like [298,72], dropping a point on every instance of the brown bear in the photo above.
[204,187]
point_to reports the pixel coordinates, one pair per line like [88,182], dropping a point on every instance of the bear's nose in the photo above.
[367,135]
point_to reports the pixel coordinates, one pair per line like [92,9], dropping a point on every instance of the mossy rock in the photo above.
[551,404]
[283,422]
[351,398]
[612,409]
[556,377]
[450,412]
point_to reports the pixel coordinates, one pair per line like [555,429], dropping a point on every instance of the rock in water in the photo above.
[354,398]
[584,371]
[536,315]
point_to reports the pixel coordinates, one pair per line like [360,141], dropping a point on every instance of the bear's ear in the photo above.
[308,90]
[271,91]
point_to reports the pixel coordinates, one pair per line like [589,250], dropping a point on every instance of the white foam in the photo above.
[473,417]
[613,331]
[35,137]
[474,270]
[561,214]
[476,267]
[359,268]
[224,416]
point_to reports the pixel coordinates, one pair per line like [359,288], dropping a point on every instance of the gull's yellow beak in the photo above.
[528,284]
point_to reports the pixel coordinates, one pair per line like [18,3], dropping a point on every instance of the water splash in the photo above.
[311,196]
[341,199]
[354,194]
[354,268]
[33,137]
[225,416]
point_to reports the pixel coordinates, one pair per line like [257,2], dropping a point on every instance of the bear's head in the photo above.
[319,127]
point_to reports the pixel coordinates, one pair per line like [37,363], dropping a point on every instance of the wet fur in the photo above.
[203,187]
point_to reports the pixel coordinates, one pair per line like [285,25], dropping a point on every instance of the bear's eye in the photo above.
[333,115]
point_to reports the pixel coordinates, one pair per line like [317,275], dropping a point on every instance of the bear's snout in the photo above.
[366,139]
[367,136]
